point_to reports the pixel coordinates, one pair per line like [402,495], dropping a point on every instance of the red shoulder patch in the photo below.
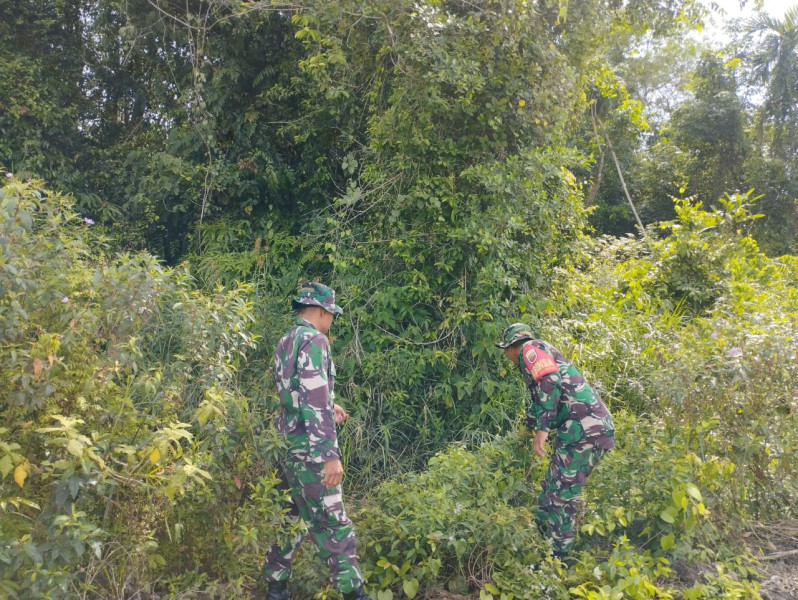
[538,362]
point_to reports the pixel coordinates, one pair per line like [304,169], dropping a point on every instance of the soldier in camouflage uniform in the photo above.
[312,471]
[562,401]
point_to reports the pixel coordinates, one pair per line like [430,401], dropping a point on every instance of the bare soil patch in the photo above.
[777,547]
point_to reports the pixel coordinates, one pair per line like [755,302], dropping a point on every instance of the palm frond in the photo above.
[791,18]
[761,22]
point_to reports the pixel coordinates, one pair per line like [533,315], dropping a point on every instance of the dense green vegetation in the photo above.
[172,171]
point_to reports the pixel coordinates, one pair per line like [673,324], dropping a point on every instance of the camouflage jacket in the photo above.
[561,398]
[305,373]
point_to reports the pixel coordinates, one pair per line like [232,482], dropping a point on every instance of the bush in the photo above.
[466,522]
[127,450]
[718,368]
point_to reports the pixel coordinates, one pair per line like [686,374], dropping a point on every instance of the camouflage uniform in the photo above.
[304,373]
[562,401]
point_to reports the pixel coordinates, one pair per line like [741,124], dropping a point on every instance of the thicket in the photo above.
[124,432]
[431,162]
[133,463]
[692,338]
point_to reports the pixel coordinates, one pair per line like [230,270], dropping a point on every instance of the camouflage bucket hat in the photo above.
[517,332]
[316,294]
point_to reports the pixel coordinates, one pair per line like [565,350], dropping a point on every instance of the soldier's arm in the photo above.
[548,401]
[545,385]
[539,443]
[314,399]
[530,420]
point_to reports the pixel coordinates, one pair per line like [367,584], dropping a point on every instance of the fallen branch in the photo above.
[778,555]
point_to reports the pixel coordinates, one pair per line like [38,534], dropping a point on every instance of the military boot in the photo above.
[356,594]
[278,590]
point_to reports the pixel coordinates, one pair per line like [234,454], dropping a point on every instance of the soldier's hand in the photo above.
[333,473]
[539,444]
[339,414]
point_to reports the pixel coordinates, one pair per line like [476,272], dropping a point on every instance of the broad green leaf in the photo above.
[410,587]
[75,448]
[6,465]
[667,515]
[679,498]
[694,492]
[667,541]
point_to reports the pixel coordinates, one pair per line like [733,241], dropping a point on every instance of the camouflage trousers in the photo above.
[569,469]
[322,511]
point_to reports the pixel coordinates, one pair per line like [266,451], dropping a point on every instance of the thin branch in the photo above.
[591,195]
[623,182]
[169,15]
[778,555]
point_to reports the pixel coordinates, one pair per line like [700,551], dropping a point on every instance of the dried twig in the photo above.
[779,555]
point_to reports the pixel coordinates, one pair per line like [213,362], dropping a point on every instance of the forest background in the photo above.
[172,170]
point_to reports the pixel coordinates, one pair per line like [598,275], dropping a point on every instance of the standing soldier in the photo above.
[312,471]
[562,401]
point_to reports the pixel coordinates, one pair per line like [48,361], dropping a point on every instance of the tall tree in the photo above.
[709,131]
[41,99]
[774,65]
[771,57]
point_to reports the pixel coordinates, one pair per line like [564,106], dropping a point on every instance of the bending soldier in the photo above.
[561,402]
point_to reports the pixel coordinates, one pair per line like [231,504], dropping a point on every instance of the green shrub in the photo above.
[466,522]
[720,373]
[127,452]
